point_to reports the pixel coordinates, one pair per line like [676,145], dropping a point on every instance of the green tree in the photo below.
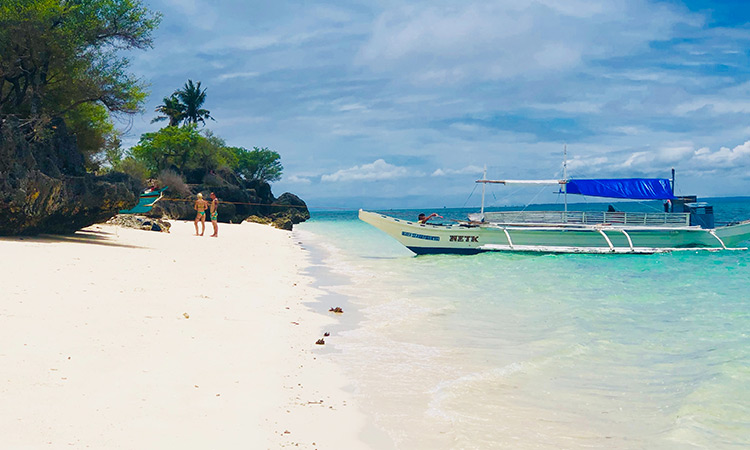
[113,153]
[167,148]
[182,148]
[257,164]
[171,109]
[192,98]
[211,153]
[91,125]
[133,167]
[56,55]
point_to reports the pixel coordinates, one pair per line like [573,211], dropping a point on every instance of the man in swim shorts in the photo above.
[200,206]
[215,214]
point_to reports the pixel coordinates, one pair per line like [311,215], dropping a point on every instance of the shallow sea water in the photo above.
[530,351]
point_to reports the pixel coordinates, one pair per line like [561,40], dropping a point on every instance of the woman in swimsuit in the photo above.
[200,207]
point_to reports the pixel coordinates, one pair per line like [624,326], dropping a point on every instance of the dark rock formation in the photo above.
[239,200]
[288,210]
[140,223]
[44,187]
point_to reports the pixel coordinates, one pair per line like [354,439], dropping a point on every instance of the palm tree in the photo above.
[192,99]
[172,109]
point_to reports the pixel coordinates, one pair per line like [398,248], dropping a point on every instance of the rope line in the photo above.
[234,203]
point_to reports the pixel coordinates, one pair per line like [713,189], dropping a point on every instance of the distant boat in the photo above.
[688,225]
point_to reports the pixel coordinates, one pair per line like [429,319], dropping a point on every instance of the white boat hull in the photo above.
[463,239]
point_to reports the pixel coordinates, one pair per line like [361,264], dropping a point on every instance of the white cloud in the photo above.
[377,170]
[297,179]
[716,105]
[575,8]
[724,157]
[231,76]
[628,130]
[248,43]
[468,170]
[729,100]
[573,107]
[200,14]
[682,155]
[466,127]
[443,42]
[674,153]
[310,23]
[352,107]
[586,163]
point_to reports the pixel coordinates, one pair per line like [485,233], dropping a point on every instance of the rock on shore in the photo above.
[240,200]
[44,187]
[140,223]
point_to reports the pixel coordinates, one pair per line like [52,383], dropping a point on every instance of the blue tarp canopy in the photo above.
[145,202]
[632,188]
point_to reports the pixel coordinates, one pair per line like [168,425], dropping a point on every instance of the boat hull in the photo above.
[472,239]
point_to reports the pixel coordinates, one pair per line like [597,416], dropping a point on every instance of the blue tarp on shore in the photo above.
[145,202]
[630,188]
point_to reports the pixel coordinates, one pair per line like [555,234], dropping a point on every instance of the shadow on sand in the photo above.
[85,236]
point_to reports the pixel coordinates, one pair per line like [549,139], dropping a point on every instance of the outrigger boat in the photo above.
[687,225]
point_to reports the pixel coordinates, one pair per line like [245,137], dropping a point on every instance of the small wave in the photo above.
[470,384]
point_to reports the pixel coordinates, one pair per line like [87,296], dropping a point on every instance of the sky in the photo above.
[395,104]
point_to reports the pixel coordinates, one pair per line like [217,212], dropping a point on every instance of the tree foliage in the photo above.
[258,164]
[184,106]
[56,55]
[192,97]
[167,148]
[185,150]
[171,109]
[91,125]
[133,167]
[182,149]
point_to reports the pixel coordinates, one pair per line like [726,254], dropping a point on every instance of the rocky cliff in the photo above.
[44,187]
[239,200]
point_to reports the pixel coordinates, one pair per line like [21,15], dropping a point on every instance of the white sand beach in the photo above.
[119,338]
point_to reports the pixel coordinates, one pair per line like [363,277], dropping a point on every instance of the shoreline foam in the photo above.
[119,338]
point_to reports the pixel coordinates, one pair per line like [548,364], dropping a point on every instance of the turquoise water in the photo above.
[542,351]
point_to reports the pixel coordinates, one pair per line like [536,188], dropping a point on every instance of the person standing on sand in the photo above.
[200,206]
[215,214]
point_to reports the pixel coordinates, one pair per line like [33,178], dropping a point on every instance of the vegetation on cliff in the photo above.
[59,57]
[184,106]
[63,74]
[182,148]
[190,160]
[63,78]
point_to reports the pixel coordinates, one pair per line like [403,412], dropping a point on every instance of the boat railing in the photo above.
[587,218]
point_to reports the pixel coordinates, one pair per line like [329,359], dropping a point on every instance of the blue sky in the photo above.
[387,104]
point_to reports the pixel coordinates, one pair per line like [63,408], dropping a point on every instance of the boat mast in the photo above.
[672,181]
[565,178]
[484,187]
